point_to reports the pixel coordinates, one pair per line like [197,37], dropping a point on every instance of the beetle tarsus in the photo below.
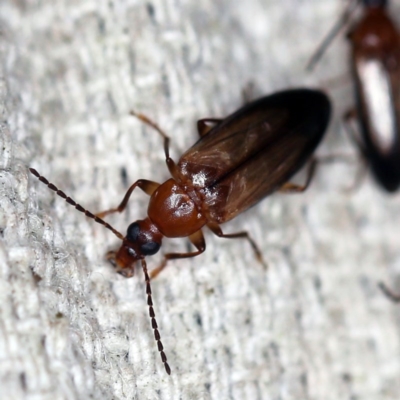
[290,187]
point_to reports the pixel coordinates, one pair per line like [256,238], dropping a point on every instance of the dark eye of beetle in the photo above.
[133,232]
[148,249]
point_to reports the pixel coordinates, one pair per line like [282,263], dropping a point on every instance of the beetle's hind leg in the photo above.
[216,229]
[290,187]
[197,239]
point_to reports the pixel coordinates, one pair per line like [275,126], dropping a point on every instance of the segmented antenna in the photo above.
[119,235]
[332,34]
[75,204]
[153,318]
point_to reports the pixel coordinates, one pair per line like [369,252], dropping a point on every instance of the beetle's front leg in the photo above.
[148,187]
[172,167]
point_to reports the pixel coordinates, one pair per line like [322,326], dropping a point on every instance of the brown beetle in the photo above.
[235,163]
[375,64]
[376,67]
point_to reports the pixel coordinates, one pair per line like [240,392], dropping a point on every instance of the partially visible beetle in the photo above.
[376,67]
[237,162]
[375,64]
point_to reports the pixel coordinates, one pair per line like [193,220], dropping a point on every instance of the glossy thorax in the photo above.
[174,211]
[171,213]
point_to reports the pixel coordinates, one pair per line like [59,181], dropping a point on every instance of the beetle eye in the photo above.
[133,232]
[150,248]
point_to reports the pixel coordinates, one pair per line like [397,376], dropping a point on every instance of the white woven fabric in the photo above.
[314,326]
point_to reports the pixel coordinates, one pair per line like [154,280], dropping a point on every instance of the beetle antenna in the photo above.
[75,204]
[153,318]
[319,52]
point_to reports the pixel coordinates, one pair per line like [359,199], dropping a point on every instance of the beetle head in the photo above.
[142,239]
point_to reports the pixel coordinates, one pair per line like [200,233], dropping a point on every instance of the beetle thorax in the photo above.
[173,211]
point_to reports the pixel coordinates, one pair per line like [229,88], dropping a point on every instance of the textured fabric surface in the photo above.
[313,326]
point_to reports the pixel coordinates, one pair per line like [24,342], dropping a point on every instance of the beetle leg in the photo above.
[351,115]
[173,169]
[203,126]
[290,187]
[343,21]
[216,229]
[388,293]
[149,122]
[248,92]
[110,256]
[147,186]
[362,170]
[359,177]
[197,239]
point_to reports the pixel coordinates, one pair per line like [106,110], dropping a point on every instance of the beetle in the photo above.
[236,162]
[375,66]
